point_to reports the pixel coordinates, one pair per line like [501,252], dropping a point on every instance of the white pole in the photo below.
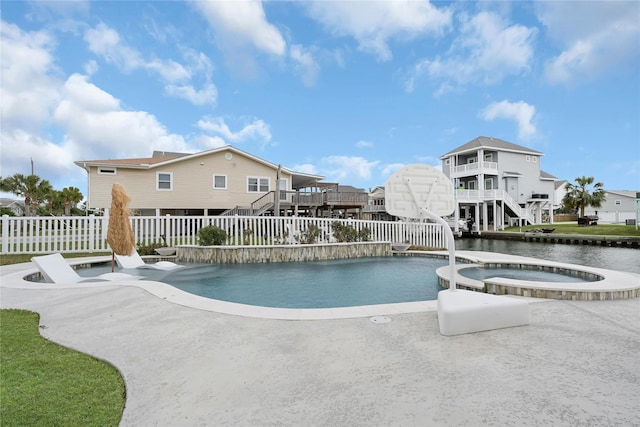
[451,243]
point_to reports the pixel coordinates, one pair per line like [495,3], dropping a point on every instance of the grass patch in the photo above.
[20,258]
[592,230]
[45,384]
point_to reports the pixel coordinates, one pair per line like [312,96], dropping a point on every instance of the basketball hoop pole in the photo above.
[447,231]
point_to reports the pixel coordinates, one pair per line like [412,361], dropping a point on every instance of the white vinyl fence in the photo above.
[20,235]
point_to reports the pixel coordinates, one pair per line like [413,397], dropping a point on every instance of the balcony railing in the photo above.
[475,168]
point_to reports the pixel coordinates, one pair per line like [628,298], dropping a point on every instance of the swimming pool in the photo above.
[313,284]
[316,284]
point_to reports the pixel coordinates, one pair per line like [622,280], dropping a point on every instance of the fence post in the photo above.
[5,234]
[92,233]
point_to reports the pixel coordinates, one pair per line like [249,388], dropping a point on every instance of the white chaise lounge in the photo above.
[134,261]
[55,269]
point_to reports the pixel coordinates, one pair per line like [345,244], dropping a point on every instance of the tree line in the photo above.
[40,198]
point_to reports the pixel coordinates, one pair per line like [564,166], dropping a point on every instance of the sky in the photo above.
[351,90]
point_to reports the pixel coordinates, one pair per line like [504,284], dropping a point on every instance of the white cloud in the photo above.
[305,64]
[519,111]
[487,50]
[374,24]
[56,122]
[364,144]
[209,142]
[106,43]
[345,168]
[96,126]
[28,87]
[257,130]
[306,168]
[598,37]
[389,169]
[206,95]
[242,22]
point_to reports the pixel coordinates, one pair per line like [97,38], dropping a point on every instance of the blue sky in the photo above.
[349,90]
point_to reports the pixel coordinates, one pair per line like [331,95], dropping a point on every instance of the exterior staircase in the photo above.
[262,205]
[511,205]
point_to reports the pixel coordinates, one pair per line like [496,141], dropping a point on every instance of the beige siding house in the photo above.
[210,182]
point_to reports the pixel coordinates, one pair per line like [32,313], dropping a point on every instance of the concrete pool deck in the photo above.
[575,364]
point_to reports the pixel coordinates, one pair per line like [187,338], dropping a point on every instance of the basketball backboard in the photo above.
[416,187]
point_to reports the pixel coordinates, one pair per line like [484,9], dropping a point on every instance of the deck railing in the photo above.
[484,166]
[24,235]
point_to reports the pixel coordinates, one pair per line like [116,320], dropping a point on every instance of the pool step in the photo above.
[463,312]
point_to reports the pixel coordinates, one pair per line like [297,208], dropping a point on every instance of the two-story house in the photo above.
[499,183]
[619,206]
[221,181]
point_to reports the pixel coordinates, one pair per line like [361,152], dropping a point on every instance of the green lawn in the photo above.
[45,384]
[593,230]
[19,258]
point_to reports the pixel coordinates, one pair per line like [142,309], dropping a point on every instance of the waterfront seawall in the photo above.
[569,239]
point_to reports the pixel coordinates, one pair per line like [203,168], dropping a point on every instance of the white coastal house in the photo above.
[499,183]
[619,206]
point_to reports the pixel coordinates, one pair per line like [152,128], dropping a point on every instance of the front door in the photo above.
[512,187]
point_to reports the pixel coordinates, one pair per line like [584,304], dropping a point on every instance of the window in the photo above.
[618,202]
[488,184]
[257,185]
[220,182]
[106,171]
[164,181]
[283,188]
[447,161]
[471,160]
[471,185]
[488,157]
[534,159]
[527,158]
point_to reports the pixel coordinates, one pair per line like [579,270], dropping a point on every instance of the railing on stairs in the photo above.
[471,196]
[257,208]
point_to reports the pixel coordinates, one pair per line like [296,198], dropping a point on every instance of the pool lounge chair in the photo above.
[134,261]
[55,269]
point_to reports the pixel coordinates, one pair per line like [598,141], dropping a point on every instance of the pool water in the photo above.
[314,284]
[482,273]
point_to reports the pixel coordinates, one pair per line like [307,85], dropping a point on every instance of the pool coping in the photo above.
[13,277]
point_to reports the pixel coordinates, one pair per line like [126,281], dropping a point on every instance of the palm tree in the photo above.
[71,196]
[578,195]
[31,187]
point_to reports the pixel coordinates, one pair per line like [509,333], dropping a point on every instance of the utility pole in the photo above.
[32,170]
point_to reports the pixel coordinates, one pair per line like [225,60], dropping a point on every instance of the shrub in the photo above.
[310,235]
[211,236]
[7,211]
[347,233]
[150,249]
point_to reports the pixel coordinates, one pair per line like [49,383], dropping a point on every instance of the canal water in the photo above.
[611,258]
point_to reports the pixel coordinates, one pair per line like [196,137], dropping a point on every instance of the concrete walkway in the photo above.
[575,364]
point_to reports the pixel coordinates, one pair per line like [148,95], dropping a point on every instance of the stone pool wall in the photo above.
[280,253]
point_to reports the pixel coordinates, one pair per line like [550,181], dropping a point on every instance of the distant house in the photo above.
[376,209]
[221,181]
[15,206]
[499,183]
[559,193]
[618,207]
